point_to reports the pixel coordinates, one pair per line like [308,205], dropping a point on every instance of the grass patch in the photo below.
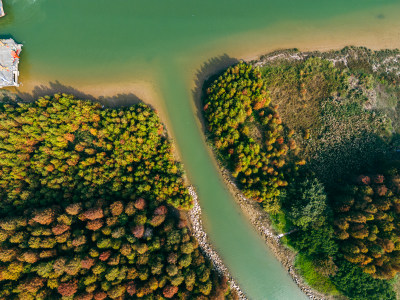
[280,223]
[317,281]
[298,89]
[342,117]
[396,286]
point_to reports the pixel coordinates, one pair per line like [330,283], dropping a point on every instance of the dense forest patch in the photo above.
[367,223]
[64,148]
[248,134]
[89,200]
[335,116]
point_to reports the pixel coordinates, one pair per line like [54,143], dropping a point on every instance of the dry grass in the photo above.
[348,112]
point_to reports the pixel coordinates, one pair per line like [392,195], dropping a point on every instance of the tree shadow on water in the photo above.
[208,71]
[118,100]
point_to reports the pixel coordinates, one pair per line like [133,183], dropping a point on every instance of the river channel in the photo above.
[165,43]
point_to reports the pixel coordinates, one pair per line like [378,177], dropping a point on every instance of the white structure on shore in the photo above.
[2,13]
[9,59]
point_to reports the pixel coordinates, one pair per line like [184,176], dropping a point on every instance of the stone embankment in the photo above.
[205,245]
[260,220]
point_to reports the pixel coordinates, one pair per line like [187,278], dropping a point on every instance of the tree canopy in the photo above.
[308,204]
[88,206]
[248,133]
[341,108]
[66,149]
[367,223]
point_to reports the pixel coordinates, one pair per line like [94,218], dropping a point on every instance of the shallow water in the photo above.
[165,42]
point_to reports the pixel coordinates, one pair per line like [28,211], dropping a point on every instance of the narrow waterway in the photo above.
[119,44]
[249,260]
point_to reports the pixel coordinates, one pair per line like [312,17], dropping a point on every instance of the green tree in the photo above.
[308,204]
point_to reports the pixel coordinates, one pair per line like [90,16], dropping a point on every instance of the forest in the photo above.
[313,139]
[93,206]
[249,136]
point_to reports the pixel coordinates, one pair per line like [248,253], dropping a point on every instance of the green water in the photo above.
[166,41]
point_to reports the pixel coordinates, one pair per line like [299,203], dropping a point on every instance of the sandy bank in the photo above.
[348,29]
[112,93]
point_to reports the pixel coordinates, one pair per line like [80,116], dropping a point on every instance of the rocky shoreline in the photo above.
[260,220]
[208,250]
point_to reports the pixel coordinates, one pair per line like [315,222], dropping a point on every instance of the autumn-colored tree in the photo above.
[367,223]
[257,158]
[68,289]
[93,213]
[169,291]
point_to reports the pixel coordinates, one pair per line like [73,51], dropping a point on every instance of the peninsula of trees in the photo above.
[92,206]
[313,137]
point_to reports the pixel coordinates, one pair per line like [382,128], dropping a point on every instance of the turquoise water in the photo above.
[165,42]
[109,39]
[259,274]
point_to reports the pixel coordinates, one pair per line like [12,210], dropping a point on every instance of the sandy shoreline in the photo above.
[114,93]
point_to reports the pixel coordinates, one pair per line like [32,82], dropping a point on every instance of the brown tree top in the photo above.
[367,223]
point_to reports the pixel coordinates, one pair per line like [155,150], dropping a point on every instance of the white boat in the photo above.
[9,60]
[2,13]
